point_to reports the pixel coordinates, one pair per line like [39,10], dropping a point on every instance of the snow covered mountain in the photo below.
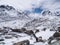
[41,17]
[47,19]
[9,15]
[8,12]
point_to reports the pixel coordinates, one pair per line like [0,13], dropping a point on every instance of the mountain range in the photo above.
[11,17]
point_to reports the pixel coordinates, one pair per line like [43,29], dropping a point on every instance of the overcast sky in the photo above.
[28,4]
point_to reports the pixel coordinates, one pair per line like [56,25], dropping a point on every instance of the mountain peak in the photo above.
[7,7]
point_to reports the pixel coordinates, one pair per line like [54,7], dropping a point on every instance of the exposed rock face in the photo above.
[8,36]
[46,12]
[1,39]
[37,30]
[25,42]
[55,43]
[16,30]
[40,39]
[7,7]
[56,36]
[29,32]
[59,29]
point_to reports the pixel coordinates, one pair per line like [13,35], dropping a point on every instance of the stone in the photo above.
[8,36]
[25,42]
[1,39]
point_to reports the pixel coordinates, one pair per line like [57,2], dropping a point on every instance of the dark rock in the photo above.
[37,30]
[44,29]
[2,6]
[23,29]
[29,32]
[16,30]
[55,36]
[46,12]
[8,37]
[58,29]
[51,30]
[25,42]
[40,39]
[50,39]
[1,30]
[7,7]
[1,39]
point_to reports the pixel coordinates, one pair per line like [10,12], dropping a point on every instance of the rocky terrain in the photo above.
[20,28]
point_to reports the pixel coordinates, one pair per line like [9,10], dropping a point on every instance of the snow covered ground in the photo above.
[16,19]
[45,35]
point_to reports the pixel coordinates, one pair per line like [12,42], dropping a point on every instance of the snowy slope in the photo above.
[44,21]
[15,18]
[11,16]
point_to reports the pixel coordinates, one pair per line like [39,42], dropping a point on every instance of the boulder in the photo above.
[1,39]
[8,36]
[37,30]
[25,42]
[58,29]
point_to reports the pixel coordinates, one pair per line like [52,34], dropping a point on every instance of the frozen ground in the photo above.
[45,34]
[49,20]
[22,36]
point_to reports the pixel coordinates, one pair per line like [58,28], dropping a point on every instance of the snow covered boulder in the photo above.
[55,43]
[56,36]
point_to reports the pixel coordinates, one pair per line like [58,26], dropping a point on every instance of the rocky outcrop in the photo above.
[25,42]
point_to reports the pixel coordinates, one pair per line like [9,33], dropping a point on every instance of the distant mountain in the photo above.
[47,19]
[8,13]
[46,12]
[57,12]
[11,16]
[49,12]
